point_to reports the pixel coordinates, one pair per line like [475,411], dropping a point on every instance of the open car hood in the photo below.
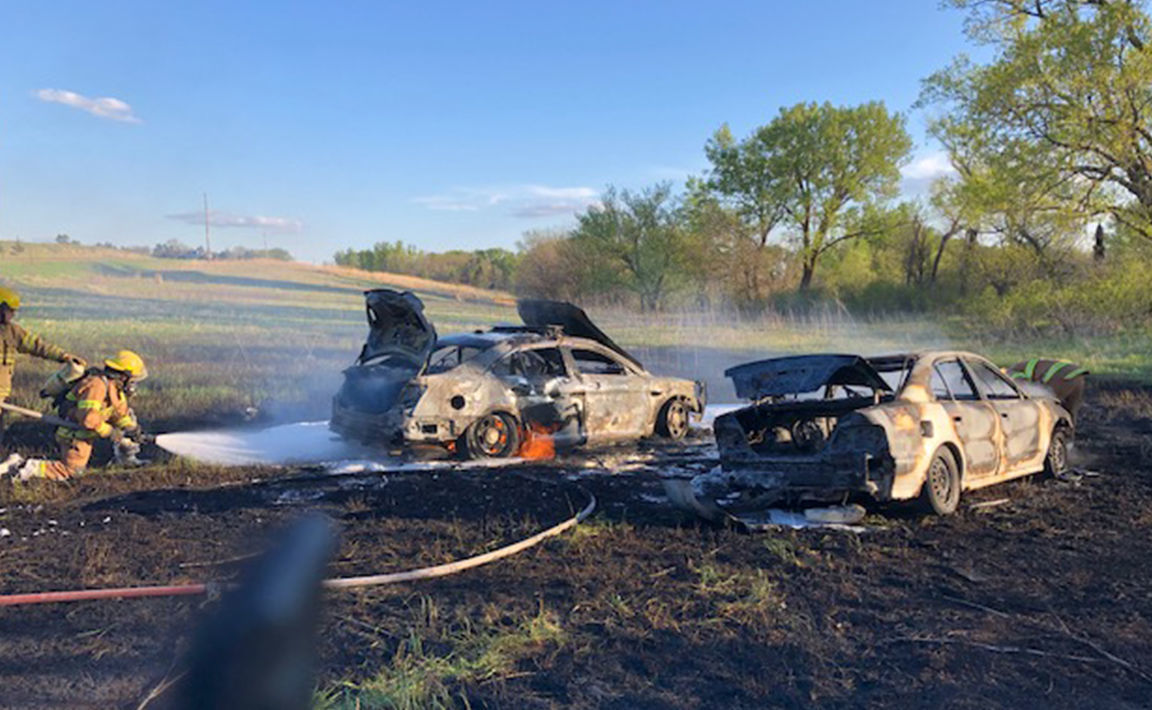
[397,327]
[538,313]
[799,374]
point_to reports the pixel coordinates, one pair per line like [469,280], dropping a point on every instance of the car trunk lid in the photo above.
[400,340]
[801,374]
[397,328]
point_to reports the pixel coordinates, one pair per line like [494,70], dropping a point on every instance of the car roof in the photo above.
[504,338]
[482,339]
[512,335]
[922,354]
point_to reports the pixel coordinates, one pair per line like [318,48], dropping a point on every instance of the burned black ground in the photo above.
[1043,601]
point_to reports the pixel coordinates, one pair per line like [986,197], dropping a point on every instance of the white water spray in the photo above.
[303,443]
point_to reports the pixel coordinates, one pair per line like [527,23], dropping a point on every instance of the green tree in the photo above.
[1059,120]
[639,232]
[742,182]
[816,170]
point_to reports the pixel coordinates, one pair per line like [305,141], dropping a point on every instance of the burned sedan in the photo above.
[924,426]
[555,381]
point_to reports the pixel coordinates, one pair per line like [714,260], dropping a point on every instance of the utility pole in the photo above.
[207,238]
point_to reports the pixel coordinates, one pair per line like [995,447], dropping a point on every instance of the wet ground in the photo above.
[1044,600]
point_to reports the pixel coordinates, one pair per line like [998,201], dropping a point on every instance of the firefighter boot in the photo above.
[10,465]
[32,468]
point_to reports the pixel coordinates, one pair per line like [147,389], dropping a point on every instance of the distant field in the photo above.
[223,336]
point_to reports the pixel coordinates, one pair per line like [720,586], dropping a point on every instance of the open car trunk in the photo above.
[399,342]
[798,403]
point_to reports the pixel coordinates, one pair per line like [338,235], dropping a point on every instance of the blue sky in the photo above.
[446,125]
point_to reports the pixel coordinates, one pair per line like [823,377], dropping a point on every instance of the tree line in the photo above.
[483,268]
[1043,219]
[176,249]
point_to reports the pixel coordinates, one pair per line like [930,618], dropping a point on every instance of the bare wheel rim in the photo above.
[677,419]
[491,435]
[940,478]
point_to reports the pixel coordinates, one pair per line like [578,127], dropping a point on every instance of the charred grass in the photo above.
[1042,601]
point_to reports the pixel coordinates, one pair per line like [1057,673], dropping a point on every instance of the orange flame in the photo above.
[538,442]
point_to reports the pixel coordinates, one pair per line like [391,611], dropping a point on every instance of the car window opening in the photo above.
[535,364]
[590,362]
[450,357]
[996,385]
[956,381]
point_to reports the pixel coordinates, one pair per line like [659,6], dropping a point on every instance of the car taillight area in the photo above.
[410,395]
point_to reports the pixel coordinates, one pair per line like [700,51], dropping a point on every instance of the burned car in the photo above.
[923,426]
[556,380]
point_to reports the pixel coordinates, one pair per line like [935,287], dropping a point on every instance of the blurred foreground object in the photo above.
[257,649]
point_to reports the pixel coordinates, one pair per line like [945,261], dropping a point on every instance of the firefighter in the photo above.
[15,339]
[1065,379]
[98,403]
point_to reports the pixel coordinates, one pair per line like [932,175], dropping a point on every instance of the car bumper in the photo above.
[818,478]
[391,428]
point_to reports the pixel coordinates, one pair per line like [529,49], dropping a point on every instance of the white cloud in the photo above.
[444,203]
[104,106]
[562,193]
[928,167]
[524,201]
[536,210]
[225,220]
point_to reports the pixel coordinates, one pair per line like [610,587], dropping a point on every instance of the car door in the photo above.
[615,401]
[1019,416]
[539,380]
[975,420]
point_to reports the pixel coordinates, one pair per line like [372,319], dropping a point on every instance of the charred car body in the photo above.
[483,394]
[925,426]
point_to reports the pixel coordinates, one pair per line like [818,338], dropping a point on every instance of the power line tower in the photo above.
[207,235]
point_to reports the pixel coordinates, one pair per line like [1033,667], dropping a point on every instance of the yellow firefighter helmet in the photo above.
[129,362]
[9,298]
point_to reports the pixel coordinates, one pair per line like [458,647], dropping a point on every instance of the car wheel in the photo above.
[672,422]
[493,436]
[1056,463]
[941,491]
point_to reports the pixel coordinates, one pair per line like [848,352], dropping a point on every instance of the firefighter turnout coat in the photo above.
[98,404]
[15,339]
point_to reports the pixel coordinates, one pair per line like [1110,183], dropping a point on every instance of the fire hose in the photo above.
[33,414]
[124,450]
[441,570]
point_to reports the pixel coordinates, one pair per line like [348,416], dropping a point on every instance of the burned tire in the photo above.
[941,491]
[493,436]
[1056,462]
[673,420]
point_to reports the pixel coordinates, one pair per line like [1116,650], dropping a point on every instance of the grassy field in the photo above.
[223,336]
